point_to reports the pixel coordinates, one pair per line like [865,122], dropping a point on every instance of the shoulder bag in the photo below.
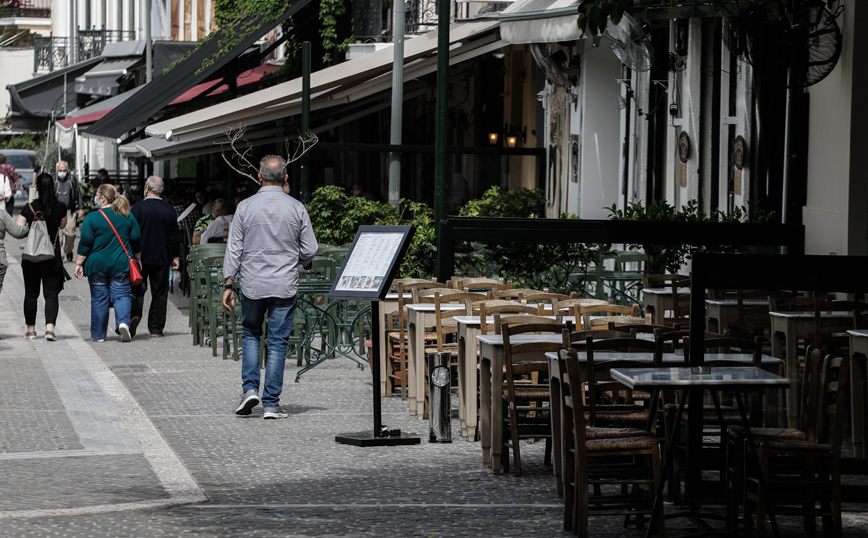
[38,247]
[135,270]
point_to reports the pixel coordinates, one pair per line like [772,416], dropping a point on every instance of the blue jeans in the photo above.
[107,289]
[280,314]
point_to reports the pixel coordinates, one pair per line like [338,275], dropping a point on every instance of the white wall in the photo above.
[16,66]
[600,146]
[834,142]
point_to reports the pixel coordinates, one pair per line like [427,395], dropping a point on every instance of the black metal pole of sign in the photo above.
[366,273]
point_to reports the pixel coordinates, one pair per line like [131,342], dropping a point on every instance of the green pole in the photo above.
[304,195]
[441,114]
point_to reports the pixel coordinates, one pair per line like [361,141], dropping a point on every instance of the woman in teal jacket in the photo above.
[105,262]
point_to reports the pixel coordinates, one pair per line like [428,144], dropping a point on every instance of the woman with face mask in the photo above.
[43,274]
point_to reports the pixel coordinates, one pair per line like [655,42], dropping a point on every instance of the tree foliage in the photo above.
[561,267]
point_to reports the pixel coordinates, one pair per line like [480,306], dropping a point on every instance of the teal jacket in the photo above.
[101,246]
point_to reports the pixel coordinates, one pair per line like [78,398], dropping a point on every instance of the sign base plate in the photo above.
[368,439]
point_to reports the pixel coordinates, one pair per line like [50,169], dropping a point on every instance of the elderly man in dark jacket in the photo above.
[161,242]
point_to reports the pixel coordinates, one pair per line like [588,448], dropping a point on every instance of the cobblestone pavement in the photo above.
[140,439]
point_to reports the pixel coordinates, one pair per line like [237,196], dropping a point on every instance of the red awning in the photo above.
[84,118]
[250,76]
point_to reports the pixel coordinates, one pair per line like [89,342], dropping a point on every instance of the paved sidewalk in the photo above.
[140,439]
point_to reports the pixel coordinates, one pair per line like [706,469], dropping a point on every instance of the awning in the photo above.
[342,83]
[33,101]
[95,112]
[103,79]
[207,89]
[125,119]
[540,21]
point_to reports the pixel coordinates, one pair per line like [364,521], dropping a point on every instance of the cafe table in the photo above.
[420,316]
[691,382]
[658,301]
[786,329]
[770,364]
[859,357]
[723,313]
[469,328]
[491,408]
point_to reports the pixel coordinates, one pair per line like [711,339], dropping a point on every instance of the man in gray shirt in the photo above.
[270,236]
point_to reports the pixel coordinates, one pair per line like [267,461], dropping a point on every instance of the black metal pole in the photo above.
[441,113]
[375,366]
[304,195]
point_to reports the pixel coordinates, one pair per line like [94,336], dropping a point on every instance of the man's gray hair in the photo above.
[272,168]
[155,185]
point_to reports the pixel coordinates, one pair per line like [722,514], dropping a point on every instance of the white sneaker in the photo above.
[125,332]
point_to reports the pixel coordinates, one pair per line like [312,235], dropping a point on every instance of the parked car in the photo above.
[24,161]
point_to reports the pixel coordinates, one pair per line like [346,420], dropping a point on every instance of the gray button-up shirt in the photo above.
[270,236]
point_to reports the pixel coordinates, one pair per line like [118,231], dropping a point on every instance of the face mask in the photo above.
[95,201]
[61,175]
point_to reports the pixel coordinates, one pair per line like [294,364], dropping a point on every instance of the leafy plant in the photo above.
[561,267]
[336,217]
[26,141]
[669,258]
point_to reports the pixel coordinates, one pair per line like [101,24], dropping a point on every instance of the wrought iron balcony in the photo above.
[37,9]
[53,52]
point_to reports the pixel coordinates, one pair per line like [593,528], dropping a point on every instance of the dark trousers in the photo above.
[36,275]
[157,277]
[10,206]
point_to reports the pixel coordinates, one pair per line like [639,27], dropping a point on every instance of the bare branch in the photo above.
[240,156]
[304,145]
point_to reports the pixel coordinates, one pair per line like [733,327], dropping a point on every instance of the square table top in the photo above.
[719,377]
[824,315]
[664,291]
[858,332]
[674,358]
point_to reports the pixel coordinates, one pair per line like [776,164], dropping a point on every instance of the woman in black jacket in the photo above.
[45,273]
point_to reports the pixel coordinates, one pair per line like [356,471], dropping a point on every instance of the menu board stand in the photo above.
[366,273]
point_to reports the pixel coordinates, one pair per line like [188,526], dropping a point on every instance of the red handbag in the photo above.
[135,271]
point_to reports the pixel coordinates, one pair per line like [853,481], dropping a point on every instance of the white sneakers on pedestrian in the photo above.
[124,329]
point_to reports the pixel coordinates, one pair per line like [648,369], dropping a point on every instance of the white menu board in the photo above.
[368,263]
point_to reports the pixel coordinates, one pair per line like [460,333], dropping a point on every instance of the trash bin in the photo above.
[439,397]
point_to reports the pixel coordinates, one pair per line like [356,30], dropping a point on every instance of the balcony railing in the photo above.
[38,9]
[53,52]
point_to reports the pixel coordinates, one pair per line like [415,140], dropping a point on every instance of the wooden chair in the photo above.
[609,312]
[447,328]
[803,478]
[498,306]
[482,283]
[567,306]
[525,415]
[518,319]
[513,294]
[578,339]
[736,452]
[609,402]
[641,328]
[396,364]
[681,305]
[607,475]
[831,333]
[553,299]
